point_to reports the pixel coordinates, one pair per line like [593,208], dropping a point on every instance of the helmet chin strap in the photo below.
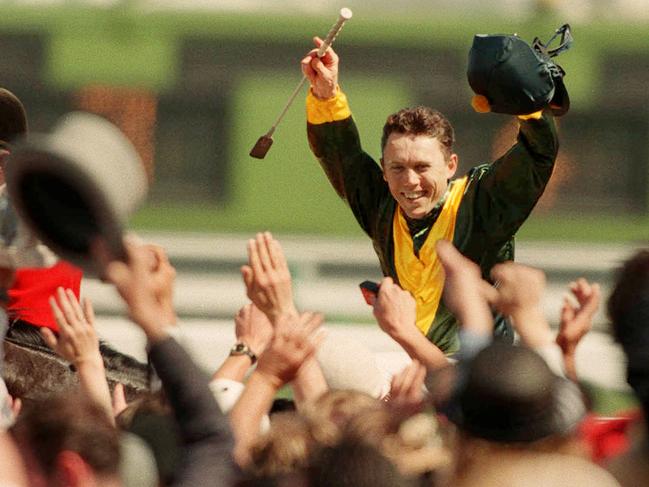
[565,43]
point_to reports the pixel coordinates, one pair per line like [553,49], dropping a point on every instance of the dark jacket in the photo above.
[498,198]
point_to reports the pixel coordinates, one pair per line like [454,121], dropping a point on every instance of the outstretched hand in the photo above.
[77,340]
[268,279]
[395,310]
[145,288]
[520,287]
[163,276]
[520,291]
[407,388]
[577,320]
[322,72]
[291,346]
[78,343]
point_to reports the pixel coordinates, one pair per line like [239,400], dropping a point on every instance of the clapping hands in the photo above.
[268,279]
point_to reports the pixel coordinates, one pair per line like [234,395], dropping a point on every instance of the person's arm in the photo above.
[268,280]
[468,297]
[576,321]
[252,329]
[510,187]
[520,290]
[309,383]
[77,343]
[407,389]
[293,344]
[334,140]
[395,311]
[203,428]
[269,286]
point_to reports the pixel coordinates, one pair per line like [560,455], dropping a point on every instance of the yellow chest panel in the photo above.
[423,275]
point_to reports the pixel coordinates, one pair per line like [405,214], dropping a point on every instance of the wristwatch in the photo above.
[241,348]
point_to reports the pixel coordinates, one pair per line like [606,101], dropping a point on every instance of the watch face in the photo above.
[242,349]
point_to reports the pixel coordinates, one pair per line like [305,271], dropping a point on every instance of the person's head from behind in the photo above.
[13,124]
[413,444]
[331,412]
[68,441]
[510,396]
[353,463]
[628,308]
[284,449]
[418,158]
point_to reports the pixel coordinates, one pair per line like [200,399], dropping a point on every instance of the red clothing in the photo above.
[608,437]
[32,288]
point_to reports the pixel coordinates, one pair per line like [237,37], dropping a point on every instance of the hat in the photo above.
[509,394]
[13,119]
[510,76]
[76,184]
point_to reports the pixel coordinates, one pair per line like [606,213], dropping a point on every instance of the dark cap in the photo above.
[13,119]
[510,395]
[517,78]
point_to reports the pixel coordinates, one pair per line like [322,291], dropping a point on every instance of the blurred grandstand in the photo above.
[194,84]
[571,10]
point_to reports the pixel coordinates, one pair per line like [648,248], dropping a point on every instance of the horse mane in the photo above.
[32,371]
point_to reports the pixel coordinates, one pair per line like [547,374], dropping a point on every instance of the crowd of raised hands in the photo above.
[231,428]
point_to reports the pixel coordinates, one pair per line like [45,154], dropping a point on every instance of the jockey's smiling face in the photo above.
[417,172]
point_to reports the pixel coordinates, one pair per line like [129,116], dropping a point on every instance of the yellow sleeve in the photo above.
[534,116]
[331,110]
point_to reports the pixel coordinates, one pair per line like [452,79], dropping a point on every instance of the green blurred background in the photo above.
[195,89]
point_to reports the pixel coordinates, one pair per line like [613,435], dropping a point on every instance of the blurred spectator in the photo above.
[205,440]
[628,308]
[12,468]
[28,296]
[68,440]
[330,414]
[294,342]
[285,449]
[514,415]
[269,286]
[38,276]
[353,464]
[395,311]
[412,443]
